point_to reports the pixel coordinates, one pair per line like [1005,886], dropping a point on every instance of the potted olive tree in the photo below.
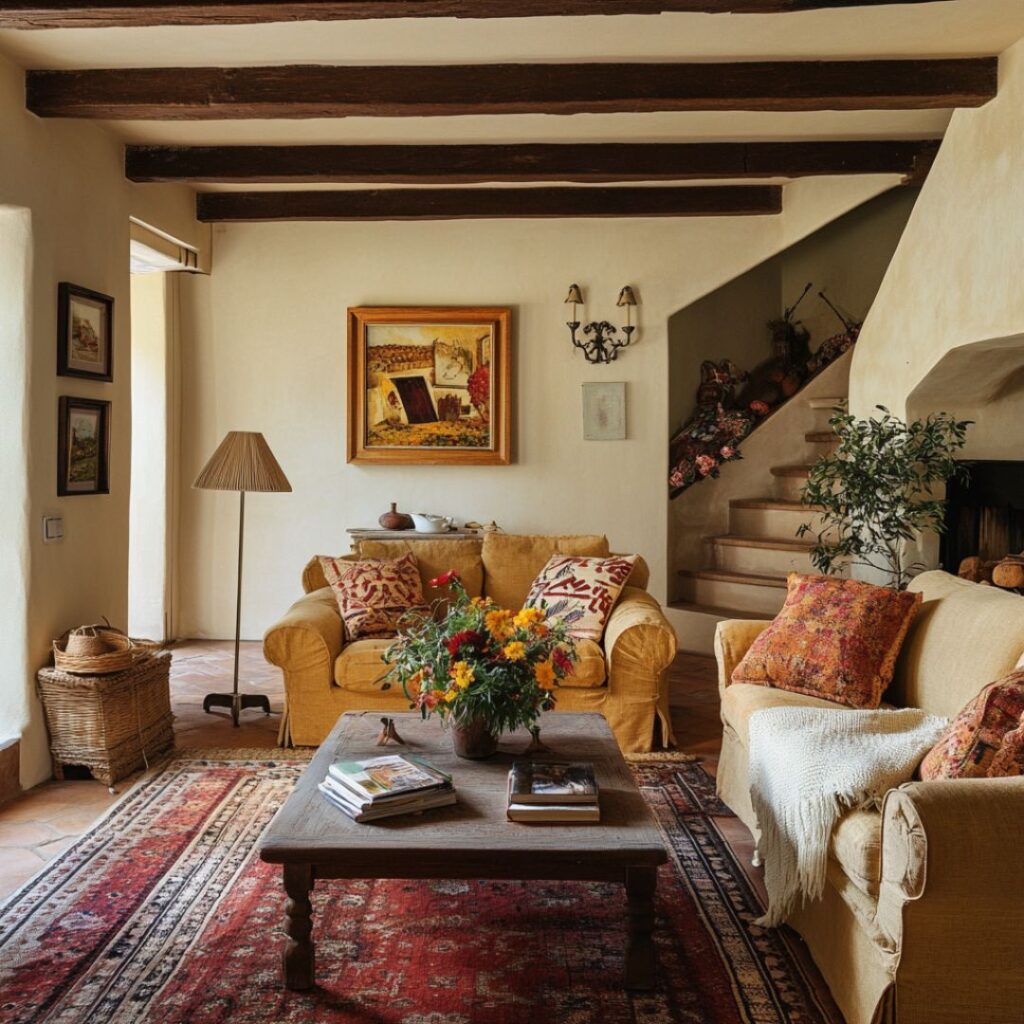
[876,491]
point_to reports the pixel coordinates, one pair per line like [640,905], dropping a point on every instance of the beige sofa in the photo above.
[624,677]
[923,916]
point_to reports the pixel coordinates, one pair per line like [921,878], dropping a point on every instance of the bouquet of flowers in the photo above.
[481,665]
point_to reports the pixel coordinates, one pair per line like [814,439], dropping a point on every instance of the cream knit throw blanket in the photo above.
[808,766]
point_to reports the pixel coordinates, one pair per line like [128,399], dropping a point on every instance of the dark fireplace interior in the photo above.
[985,516]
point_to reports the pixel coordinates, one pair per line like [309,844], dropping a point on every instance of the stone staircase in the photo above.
[748,565]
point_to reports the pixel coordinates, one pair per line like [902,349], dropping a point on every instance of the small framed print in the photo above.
[83,446]
[604,411]
[85,333]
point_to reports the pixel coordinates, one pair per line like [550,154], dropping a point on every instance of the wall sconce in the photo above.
[604,346]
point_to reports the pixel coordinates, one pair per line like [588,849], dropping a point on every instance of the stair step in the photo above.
[723,576]
[821,437]
[824,403]
[713,609]
[797,471]
[771,543]
[775,505]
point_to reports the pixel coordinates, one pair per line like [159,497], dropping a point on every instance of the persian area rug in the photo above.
[163,913]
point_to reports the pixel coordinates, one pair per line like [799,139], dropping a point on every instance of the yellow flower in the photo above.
[527,617]
[544,673]
[450,695]
[481,602]
[514,651]
[499,623]
[463,673]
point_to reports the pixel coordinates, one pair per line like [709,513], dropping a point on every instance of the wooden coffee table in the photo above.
[473,839]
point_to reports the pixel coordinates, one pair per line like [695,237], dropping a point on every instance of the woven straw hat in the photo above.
[93,650]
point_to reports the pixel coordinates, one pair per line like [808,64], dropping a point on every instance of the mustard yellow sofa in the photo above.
[923,916]
[624,677]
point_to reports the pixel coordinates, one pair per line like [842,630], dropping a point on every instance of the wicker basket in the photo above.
[110,724]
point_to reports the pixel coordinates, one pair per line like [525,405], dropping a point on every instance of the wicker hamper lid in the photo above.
[93,650]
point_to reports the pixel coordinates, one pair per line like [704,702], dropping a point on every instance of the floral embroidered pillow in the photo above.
[836,639]
[986,740]
[581,592]
[373,594]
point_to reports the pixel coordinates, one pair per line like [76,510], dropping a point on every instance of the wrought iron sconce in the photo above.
[601,343]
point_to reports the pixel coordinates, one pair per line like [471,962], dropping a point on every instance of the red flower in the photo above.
[464,638]
[562,661]
[445,578]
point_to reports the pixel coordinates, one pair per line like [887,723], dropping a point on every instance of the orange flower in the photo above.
[544,673]
[499,623]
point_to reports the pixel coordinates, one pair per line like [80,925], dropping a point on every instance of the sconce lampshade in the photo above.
[243,462]
[626,297]
[574,295]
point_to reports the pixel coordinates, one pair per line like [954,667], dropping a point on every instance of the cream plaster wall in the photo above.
[68,176]
[264,344]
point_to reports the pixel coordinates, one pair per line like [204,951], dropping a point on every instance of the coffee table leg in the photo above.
[640,885]
[299,969]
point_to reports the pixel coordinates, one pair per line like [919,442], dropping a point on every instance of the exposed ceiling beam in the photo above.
[586,162]
[499,203]
[305,91]
[34,14]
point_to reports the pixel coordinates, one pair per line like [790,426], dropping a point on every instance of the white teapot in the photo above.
[425,522]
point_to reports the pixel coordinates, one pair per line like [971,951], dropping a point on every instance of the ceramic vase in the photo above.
[474,739]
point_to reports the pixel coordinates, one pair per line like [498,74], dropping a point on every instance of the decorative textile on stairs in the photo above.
[808,766]
[162,914]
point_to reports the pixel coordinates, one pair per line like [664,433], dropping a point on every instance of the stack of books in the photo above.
[382,787]
[561,792]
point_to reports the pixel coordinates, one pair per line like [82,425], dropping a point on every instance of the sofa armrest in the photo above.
[307,641]
[949,897]
[733,638]
[638,638]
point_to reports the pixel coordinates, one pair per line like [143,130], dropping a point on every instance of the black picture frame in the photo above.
[73,342]
[71,413]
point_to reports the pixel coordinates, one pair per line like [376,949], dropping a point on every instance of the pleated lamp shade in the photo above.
[243,462]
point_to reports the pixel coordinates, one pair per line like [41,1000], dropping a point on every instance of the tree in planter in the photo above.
[876,490]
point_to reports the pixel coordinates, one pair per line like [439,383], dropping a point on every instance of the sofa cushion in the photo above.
[834,638]
[360,668]
[986,739]
[434,557]
[511,561]
[964,636]
[856,846]
[581,592]
[589,672]
[741,700]
[373,595]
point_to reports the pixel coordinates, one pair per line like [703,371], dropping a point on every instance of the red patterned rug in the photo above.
[162,913]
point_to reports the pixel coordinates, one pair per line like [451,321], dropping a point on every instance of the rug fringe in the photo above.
[662,755]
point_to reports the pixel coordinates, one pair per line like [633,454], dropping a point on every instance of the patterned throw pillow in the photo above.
[834,638]
[373,594]
[581,592]
[986,739]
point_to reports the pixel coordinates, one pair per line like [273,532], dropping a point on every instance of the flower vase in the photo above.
[474,740]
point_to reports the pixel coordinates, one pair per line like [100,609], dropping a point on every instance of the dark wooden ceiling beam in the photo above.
[372,91]
[34,14]
[489,203]
[586,162]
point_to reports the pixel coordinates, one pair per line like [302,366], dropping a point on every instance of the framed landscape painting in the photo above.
[429,384]
[85,333]
[83,446]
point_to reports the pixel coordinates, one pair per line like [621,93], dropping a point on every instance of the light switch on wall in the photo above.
[53,529]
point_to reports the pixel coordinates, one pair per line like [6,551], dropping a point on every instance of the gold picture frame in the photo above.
[430,385]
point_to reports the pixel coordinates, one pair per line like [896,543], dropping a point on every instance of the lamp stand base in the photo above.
[237,702]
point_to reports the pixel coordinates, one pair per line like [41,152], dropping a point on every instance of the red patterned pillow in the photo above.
[986,739]
[834,638]
[581,592]
[374,594]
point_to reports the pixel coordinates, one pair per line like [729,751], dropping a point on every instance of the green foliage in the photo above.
[480,662]
[877,490]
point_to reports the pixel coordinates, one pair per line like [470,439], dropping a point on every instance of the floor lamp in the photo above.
[243,462]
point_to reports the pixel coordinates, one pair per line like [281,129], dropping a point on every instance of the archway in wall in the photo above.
[15,322]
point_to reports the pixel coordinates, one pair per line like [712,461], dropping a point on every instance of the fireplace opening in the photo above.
[985,516]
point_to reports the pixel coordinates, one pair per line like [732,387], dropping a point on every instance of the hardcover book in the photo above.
[552,782]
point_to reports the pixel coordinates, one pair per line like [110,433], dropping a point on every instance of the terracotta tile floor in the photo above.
[39,824]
